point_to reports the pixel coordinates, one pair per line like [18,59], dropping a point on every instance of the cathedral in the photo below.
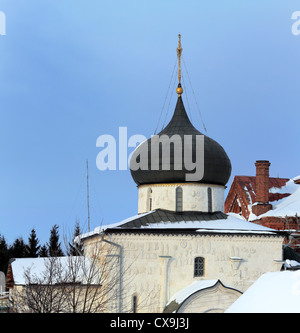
[181,253]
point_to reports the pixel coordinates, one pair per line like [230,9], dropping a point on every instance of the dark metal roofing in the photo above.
[169,222]
[163,221]
[217,165]
[289,253]
[161,216]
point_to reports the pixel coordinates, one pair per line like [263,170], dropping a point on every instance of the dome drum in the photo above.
[179,197]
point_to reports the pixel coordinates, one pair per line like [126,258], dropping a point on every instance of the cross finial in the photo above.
[179,90]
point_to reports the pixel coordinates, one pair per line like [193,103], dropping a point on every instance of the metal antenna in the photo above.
[88,196]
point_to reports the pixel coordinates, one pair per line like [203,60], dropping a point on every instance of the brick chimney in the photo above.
[262,188]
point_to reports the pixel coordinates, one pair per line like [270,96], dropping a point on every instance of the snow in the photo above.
[100,229]
[291,263]
[19,266]
[289,187]
[229,225]
[233,224]
[37,267]
[183,294]
[238,216]
[273,292]
[289,206]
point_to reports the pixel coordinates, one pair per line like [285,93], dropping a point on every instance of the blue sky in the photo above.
[72,70]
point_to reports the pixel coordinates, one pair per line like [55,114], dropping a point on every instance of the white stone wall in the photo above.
[156,266]
[195,197]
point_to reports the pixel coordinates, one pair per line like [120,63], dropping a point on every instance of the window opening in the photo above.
[134,304]
[199,266]
[179,199]
[209,200]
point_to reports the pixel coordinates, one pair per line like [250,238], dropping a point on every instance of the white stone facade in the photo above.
[155,266]
[195,197]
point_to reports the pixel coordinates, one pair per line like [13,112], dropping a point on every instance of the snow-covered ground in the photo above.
[274,292]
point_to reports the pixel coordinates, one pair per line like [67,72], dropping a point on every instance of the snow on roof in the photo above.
[37,268]
[234,224]
[289,206]
[289,187]
[230,223]
[273,292]
[277,188]
[183,294]
[102,228]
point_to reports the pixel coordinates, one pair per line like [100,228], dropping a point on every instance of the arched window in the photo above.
[209,200]
[178,199]
[199,266]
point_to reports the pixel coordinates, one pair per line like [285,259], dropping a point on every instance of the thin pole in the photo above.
[88,196]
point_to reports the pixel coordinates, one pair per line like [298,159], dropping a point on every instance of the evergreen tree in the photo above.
[4,254]
[75,249]
[43,251]
[54,245]
[32,248]
[18,249]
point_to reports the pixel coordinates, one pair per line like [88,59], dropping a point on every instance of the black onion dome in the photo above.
[217,166]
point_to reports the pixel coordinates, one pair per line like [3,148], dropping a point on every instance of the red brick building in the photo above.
[272,202]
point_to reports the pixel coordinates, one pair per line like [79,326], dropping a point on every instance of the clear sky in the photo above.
[72,70]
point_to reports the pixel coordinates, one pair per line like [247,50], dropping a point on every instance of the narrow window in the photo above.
[149,199]
[134,304]
[209,200]
[178,199]
[199,266]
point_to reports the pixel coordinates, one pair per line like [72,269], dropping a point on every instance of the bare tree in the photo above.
[101,280]
[68,284]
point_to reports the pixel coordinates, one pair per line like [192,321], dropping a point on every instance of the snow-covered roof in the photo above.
[183,294]
[289,206]
[161,220]
[280,189]
[233,224]
[277,188]
[273,292]
[39,268]
[178,299]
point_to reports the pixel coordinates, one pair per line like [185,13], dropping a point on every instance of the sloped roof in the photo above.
[290,206]
[166,217]
[161,220]
[290,254]
[248,184]
[39,268]
[176,300]
[183,295]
